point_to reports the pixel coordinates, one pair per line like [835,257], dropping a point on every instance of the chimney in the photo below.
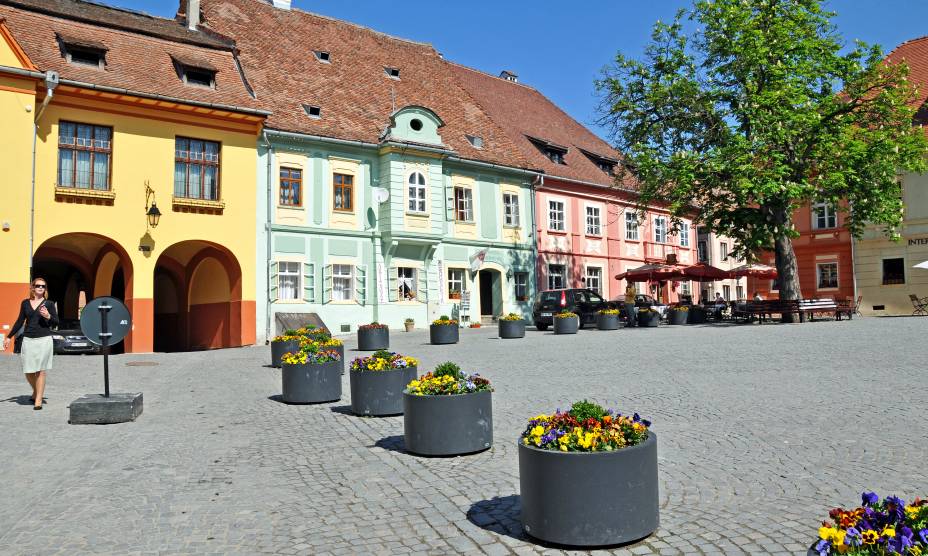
[509,76]
[193,14]
[282,4]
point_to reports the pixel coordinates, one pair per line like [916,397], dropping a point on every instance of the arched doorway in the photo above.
[197,298]
[491,292]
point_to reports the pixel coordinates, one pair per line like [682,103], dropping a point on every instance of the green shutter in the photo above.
[393,284]
[327,283]
[309,282]
[360,280]
[423,294]
[272,277]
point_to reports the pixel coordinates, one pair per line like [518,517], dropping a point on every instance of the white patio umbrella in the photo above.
[922,265]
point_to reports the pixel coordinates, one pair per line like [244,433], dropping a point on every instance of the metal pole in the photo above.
[104,339]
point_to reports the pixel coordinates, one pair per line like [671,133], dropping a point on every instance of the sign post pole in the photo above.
[104,340]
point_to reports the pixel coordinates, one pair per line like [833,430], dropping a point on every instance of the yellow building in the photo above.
[106,114]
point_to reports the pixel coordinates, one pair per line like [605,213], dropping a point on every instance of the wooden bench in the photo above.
[766,308]
[809,307]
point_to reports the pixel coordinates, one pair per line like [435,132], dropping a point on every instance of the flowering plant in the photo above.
[684,308]
[475,325]
[646,310]
[383,360]
[608,311]
[586,427]
[372,326]
[286,336]
[887,527]
[565,315]
[329,342]
[511,317]
[304,357]
[445,320]
[447,380]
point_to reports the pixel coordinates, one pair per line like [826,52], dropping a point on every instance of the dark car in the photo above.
[68,338]
[584,302]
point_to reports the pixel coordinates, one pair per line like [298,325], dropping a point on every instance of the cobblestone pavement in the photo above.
[762,428]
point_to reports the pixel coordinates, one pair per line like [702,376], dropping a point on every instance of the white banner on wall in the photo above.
[441,281]
[382,283]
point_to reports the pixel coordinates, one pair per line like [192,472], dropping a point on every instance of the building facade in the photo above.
[125,112]
[715,250]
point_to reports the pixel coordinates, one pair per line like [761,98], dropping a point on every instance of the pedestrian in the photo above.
[630,293]
[37,315]
[757,296]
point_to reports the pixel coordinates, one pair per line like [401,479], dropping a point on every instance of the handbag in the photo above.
[18,341]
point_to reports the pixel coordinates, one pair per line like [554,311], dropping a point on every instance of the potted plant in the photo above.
[444,331]
[696,315]
[326,342]
[311,375]
[588,477]
[566,322]
[410,324]
[289,341]
[512,326]
[377,383]
[447,412]
[607,319]
[648,317]
[475,325]
[373,336]
[679,314]
[875,528]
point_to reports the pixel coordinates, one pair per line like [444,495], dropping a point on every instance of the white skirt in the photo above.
[37,354]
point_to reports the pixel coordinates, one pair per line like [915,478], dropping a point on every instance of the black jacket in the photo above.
[36,325]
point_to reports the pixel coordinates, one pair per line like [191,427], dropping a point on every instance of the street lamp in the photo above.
[151,212]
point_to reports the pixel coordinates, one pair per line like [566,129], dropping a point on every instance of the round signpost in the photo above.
[105,321]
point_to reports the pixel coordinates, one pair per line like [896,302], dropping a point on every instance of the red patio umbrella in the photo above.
[651,272]
[702,272]
[754,270]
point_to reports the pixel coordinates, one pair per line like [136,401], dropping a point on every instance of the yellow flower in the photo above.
[869,536]
[889,532]
[914,551]
[563,447]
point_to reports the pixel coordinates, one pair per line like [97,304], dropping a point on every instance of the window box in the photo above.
[73,192]
[185,204]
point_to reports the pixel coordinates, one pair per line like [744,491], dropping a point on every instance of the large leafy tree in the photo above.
[759,112]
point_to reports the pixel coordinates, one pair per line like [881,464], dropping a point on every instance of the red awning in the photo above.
[702,272]
[755,270]
[651,272]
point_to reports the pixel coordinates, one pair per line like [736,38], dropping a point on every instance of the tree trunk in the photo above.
[787,268]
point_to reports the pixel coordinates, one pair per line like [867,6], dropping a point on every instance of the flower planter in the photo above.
[590,498]
[448,425]
[443,333]
[410,326]
[566,326]
[607,322]
[310,383]
[649,319]
[512,329]
[697,315]
[678,317]
[379,393]
[372,339]
[278,349]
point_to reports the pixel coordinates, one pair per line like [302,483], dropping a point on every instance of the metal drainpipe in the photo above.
[535,272]
[50,84]
[267,231]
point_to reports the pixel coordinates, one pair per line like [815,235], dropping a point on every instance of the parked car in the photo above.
[641,300]
[582,301]
[68,338]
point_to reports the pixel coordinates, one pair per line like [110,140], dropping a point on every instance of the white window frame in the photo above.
[552,222]
[516,285]
[464,205]
[511,216]
[281,273]
[660,229]
[417,193]
[726,292]
[594,222]
[339,277]
[723,251]
[818,276]
[450,281]
[563,275]
[411,282]
[684,234]
[829,215]
[586,279]
[686,288]
[631,225]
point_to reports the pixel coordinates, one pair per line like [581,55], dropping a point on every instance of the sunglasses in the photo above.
[37,286]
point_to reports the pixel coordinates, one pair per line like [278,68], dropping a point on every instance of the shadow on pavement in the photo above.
[394,443]
[21,400]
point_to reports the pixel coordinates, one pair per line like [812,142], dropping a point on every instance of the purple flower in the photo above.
[923,535]
[823,547]
[895,506]
[869,498]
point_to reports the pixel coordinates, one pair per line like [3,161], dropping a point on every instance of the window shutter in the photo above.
[422,276]
[327,283]
[393,284]
[309,282]
[360,277]
[272,276]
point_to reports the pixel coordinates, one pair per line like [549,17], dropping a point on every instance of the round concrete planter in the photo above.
[278,349]
[566,325]
[607,322]
[379,393]
[651,319]
[443,333]
[309,383]
[678,317]
[372,339]
[448,425]
[590,498]
[509,329]
[697,315]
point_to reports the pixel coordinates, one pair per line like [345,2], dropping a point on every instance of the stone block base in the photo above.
[95,409]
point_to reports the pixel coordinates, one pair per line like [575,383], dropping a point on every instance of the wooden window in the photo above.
[511,209]
[84,156]
[417,191]
[291,187]
[521,285]
[455,282]
[893,271]
[827,275]
[463,204]
[196,169]
[823,216]
[343,186]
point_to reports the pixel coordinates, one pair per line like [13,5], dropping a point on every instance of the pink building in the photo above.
[586,227]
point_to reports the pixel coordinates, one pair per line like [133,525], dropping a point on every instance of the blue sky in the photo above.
[560,47]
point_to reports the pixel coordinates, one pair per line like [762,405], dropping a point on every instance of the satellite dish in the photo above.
[381,194]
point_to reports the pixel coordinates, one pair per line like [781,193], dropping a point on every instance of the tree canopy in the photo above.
[758,113]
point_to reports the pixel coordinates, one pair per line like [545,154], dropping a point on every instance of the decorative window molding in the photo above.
[85,156]
[342,192]
[824,216]
[417,193]
[196,169]
[463,204]
[631,225]
[557,215]
[511,216]
[291,187]
[593,221]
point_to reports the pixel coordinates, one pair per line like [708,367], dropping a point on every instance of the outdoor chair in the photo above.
[921,305]
[860,300]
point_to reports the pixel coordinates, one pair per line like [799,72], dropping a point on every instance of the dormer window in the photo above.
[323,56]
[554,152]
[392,73]
[475,141]
[195,72]
[314,112]
[83,52]
[604,163]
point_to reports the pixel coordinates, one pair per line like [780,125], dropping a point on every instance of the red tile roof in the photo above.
[527,116]
[139,49]
[915,53]
[354,92]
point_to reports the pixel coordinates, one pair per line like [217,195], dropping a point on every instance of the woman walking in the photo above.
[38,315]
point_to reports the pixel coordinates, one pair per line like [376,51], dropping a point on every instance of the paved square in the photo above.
[762,429]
